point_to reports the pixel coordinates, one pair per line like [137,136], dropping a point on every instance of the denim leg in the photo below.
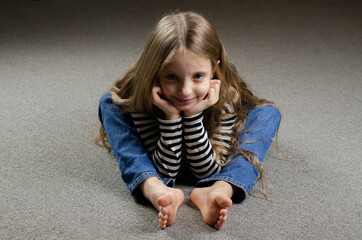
[127,147]
[257,136]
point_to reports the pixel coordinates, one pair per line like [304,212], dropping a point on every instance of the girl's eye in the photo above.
[171,77]
[198,76]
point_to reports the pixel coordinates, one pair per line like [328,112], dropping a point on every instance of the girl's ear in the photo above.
[214,73]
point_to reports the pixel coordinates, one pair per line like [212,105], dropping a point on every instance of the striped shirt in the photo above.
[169,141]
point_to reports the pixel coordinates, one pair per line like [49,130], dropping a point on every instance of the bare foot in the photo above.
[165,199]
[169,202]
[213,202]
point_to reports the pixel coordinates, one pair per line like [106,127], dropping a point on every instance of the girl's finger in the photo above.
[214,97]
[215,82]
[156,99]
[211,93]
[156,89]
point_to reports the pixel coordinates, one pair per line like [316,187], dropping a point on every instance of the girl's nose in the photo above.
[186,89]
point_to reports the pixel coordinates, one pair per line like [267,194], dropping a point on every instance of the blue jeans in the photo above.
[135,165]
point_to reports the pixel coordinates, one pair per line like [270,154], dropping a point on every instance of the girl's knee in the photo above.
[268,114]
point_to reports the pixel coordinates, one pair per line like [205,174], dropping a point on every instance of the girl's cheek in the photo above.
[204,89]
[165,89]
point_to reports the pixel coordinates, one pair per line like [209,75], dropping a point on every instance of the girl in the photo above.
[184,104]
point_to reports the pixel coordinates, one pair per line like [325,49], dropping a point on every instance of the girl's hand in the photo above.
[166,106]
[211,98]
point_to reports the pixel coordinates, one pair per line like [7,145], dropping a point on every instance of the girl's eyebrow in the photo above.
[170,70]
[201,71]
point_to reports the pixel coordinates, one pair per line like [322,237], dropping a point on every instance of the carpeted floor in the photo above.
[58,57]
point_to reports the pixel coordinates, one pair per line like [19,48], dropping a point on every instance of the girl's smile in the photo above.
[186,80]
[185,101]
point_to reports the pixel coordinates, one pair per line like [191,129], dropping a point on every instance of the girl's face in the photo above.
[185,81]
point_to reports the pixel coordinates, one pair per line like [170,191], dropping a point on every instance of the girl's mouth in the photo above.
[185,101]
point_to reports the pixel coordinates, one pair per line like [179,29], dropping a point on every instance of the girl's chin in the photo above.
[185,108]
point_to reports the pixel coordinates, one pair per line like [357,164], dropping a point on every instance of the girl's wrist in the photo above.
[190,113]
[173,116]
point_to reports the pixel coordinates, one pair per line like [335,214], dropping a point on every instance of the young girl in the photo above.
[184,104]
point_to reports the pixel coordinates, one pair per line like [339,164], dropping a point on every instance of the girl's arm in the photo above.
[134,163]
[199,151]
[168,153]
[163,140]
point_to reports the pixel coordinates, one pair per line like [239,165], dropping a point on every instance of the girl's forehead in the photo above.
[188,58]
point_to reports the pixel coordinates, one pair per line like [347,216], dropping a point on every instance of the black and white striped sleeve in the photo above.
[163,141]
[168,153]
[199,152]
[148,129]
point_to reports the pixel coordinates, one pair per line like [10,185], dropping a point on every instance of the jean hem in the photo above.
[146,175]
[141,178]
[239,195]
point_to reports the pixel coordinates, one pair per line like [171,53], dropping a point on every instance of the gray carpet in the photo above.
[58,57]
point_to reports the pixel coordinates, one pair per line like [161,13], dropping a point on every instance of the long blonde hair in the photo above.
[193,32]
